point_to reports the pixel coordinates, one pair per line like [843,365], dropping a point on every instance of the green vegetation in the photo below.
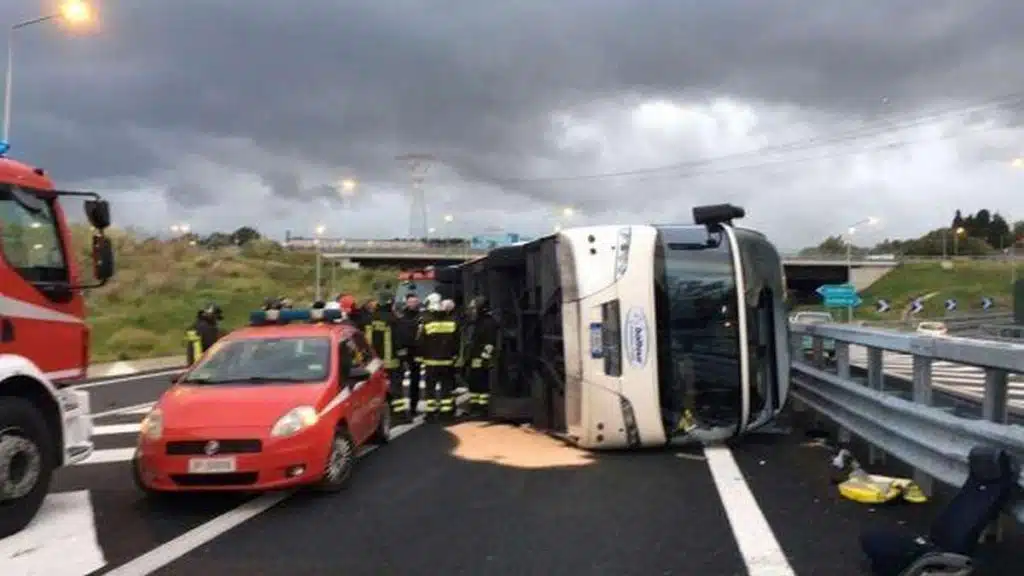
[964,280]
[160,285]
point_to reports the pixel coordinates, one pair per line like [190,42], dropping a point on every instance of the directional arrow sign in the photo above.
[951,304]
[883,306]
[986,303]
[839,295]
[916,306]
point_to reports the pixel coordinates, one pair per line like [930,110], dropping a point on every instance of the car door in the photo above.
[364,415]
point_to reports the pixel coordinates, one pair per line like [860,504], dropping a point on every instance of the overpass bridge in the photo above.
[804,274]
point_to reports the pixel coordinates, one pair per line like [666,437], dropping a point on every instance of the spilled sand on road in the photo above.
[515,446]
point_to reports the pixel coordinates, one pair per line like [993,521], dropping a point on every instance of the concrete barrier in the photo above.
[129,367]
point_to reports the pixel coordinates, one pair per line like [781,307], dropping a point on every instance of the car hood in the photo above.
[185,407]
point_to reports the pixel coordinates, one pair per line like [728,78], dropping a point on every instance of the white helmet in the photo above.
[332,305]
[447,305]
[433,302]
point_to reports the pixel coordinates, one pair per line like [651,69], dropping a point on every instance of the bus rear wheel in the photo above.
[26,463]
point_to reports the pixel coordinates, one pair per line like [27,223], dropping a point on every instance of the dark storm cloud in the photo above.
[355,83]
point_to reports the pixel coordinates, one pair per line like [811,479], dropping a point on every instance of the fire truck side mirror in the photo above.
[102,258]
[98,213]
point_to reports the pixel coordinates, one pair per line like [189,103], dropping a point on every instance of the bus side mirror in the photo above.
[98,213]
[102,258]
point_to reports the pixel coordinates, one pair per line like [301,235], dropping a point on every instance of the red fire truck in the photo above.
[44,341]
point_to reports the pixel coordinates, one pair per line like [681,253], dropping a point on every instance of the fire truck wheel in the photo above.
[340,462]
[26,463]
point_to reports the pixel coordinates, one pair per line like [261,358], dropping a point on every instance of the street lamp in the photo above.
[74,12]
[850,231]
[320,229]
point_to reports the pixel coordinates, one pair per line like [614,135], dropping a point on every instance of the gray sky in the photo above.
[222,113]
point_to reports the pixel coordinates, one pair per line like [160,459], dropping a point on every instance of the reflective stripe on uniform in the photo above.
[430,405]
[400,404]
[480,399]
[439,327]
[432,362]
[447,405]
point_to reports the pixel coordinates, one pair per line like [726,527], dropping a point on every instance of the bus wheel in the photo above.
[26,463]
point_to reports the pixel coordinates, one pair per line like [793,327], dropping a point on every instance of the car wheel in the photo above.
[340,462]
[383,432]
[26,463]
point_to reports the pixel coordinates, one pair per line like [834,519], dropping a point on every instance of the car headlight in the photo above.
[152,427]
[295,421]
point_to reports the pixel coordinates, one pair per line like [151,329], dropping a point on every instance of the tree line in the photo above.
[985,232]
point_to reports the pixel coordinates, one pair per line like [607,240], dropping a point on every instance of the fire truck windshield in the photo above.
[30,236]
[697,328]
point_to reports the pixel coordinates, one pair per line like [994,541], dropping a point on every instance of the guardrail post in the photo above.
[843,371]
[818,351]
[876,381]
[993,407]
[922,394]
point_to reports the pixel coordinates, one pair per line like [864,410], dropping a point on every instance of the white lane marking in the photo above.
[203,534]
[118,380]
[60,541]
[135,409]
[760,550]
[109,456]
[114,429]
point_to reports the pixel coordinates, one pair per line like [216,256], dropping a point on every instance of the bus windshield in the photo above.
[697,330]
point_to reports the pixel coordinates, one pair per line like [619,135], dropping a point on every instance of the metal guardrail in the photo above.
[959,323]
[1013,332]
[904,258]
[933,441]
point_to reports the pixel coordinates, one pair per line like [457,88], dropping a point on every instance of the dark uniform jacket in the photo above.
[405,329]
[380,334]
[439,339]
[481,341]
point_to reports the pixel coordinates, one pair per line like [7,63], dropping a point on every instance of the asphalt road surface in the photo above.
[471,498]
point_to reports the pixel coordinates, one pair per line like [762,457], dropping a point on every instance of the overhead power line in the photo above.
[870,130]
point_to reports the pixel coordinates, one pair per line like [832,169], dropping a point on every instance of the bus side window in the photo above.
[611,338]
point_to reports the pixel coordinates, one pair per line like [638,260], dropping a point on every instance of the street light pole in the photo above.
[73,11]
[849,256]
[319,260]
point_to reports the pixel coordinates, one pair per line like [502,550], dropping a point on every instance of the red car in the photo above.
[285,402]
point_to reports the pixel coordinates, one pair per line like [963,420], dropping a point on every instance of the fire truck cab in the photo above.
[44,341]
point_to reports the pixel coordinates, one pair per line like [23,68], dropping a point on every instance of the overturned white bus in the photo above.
[629,336]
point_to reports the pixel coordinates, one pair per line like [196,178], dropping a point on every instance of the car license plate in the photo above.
[211,465]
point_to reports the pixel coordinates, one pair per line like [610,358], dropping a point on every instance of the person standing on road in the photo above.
[481,340]
[406,327]
[203,333]
[438,343]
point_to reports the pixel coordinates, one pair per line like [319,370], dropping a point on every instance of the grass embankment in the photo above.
[159,286]
[966,281]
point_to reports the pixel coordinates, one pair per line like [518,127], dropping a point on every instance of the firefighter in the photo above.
[406,326]
[481,340]
[203,333]
[380,333]
[438,346]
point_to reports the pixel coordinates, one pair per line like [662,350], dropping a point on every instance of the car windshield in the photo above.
[264,360]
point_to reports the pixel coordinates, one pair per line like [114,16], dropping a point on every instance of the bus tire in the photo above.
[26,463]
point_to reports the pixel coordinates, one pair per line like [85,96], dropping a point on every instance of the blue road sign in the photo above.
[839,295]
[883,306]
[916,306]
[986,303]
[951,304]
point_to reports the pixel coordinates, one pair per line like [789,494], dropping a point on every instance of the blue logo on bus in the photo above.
[636,336]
